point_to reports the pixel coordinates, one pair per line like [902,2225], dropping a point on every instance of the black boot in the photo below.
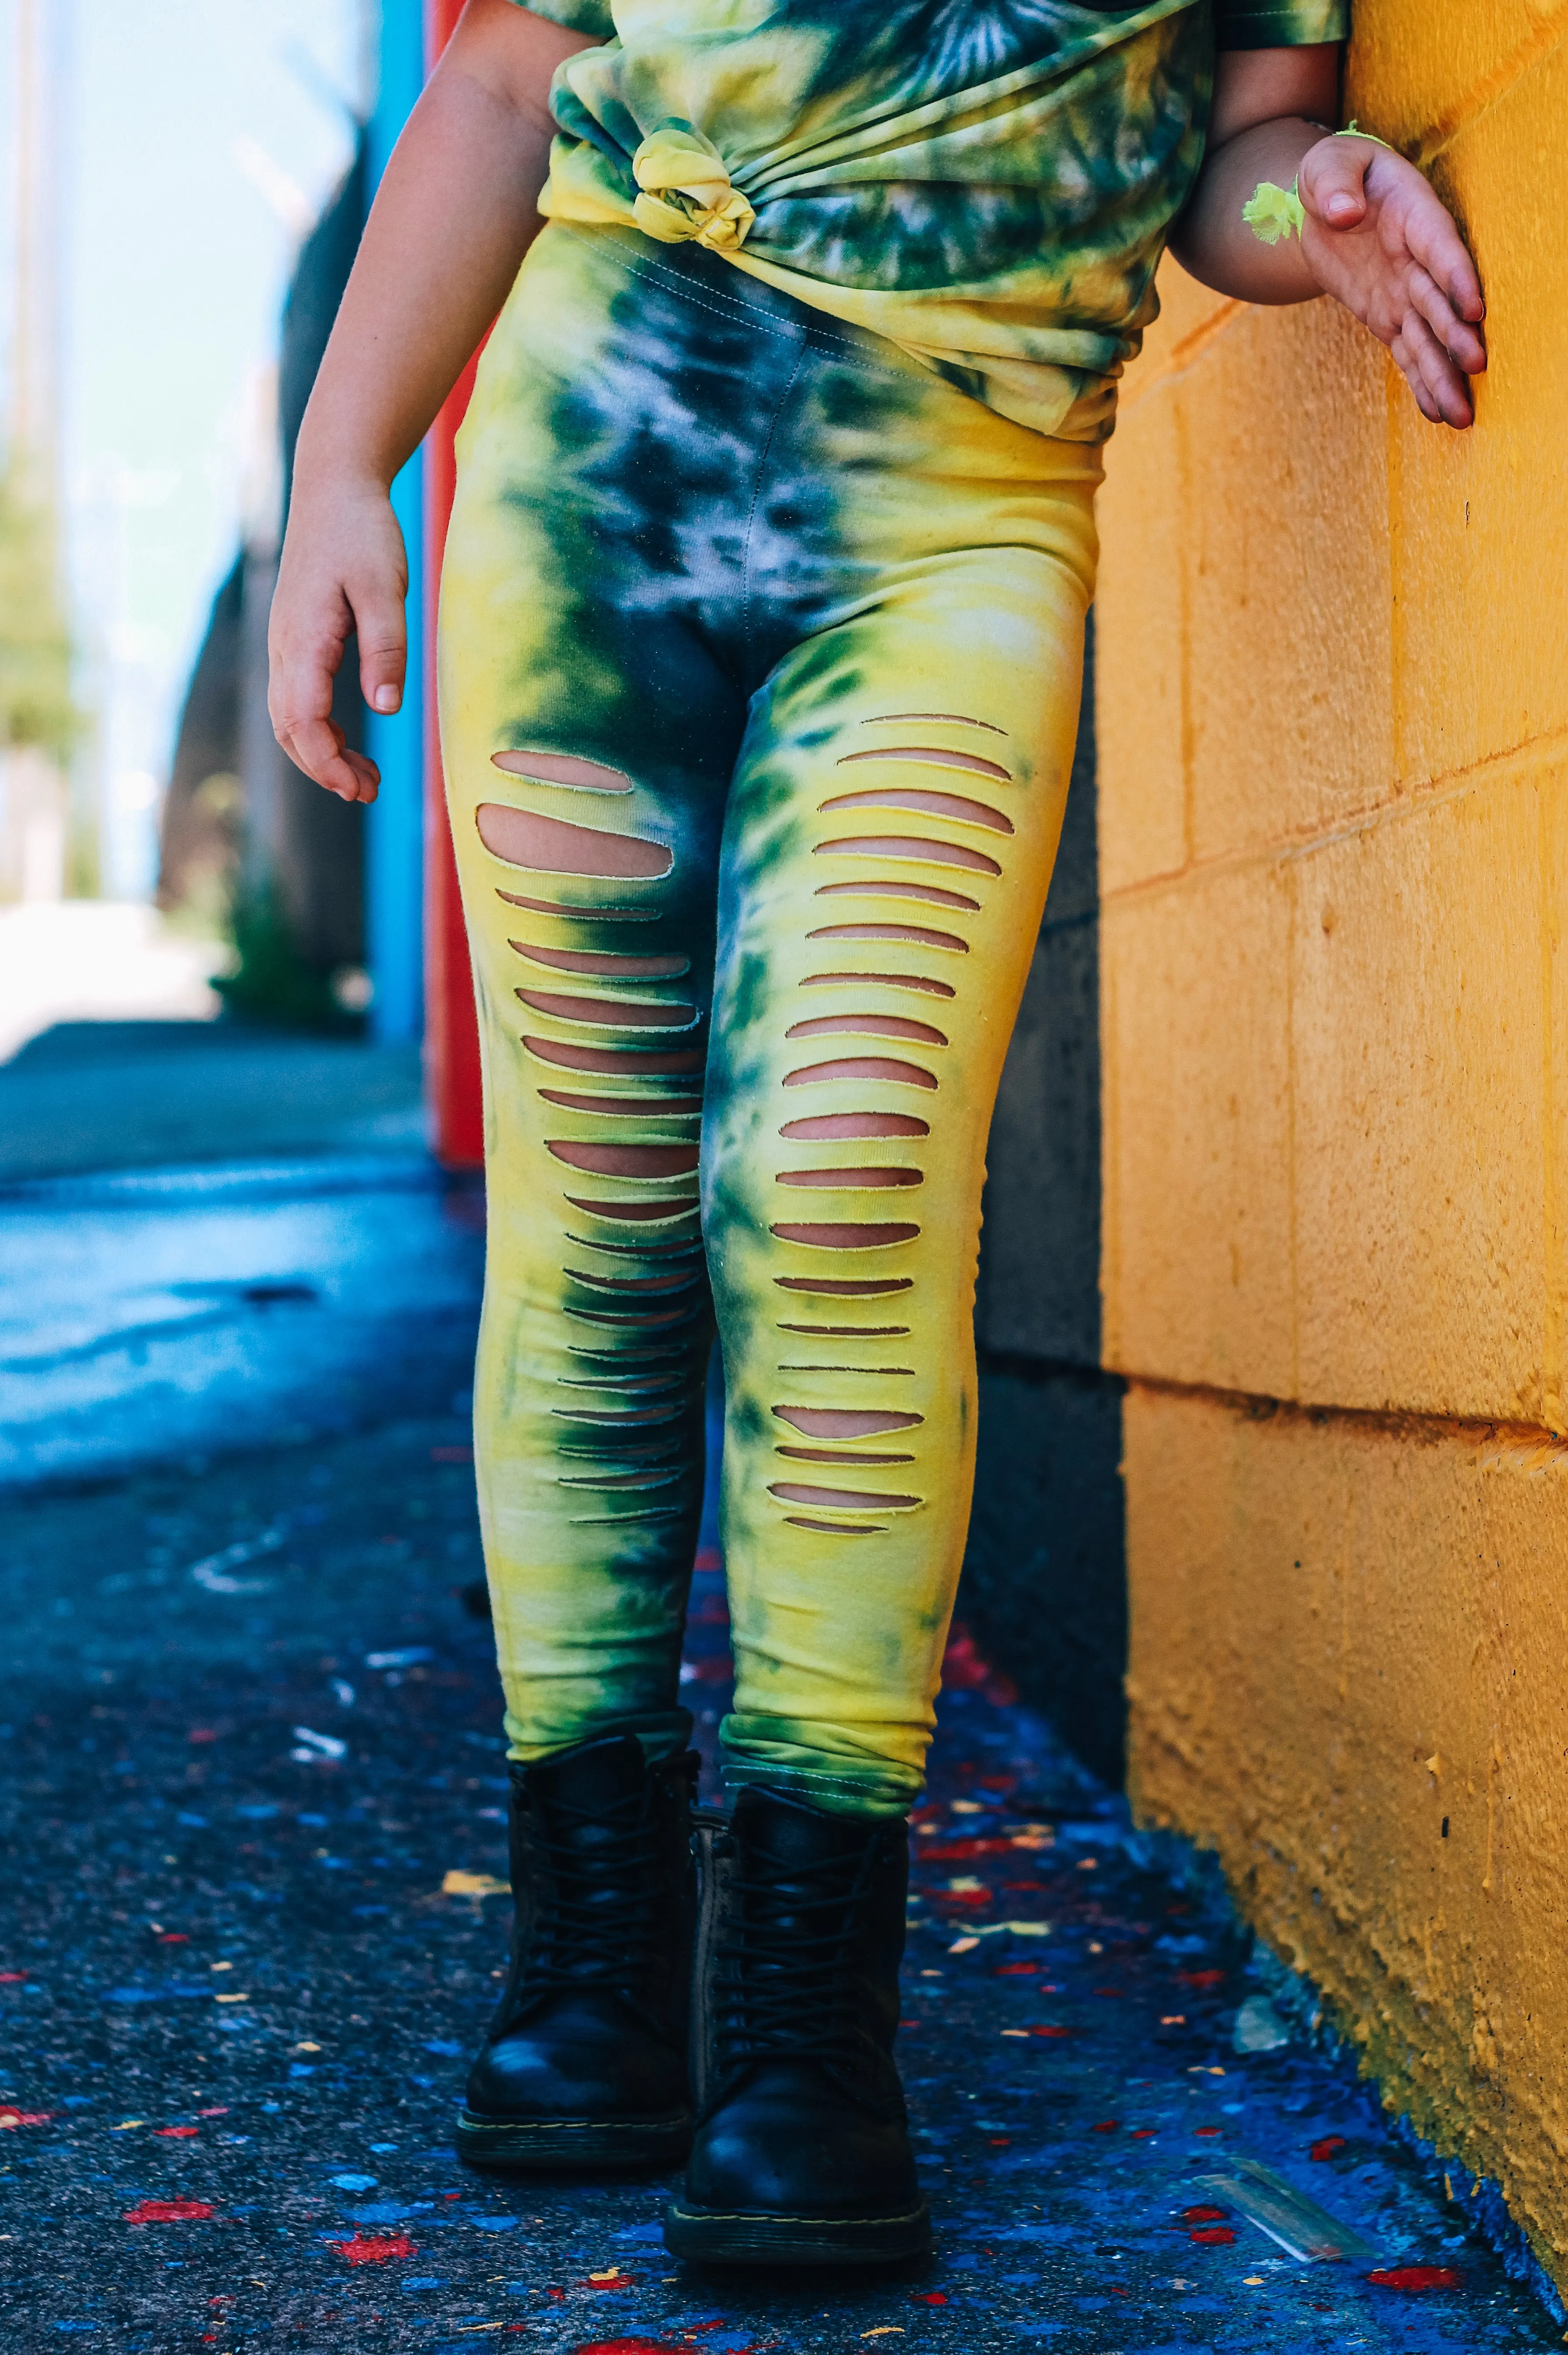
[585,2062]
[802,2153]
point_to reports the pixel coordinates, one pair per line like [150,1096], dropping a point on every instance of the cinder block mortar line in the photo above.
[1110,1164]
[1515,764]
[1552,1371]
[1184,647]
[1292,1158]
[1501,1439]
[1491,88]
[1393,447]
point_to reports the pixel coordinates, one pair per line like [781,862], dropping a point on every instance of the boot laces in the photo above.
[782,1988]
[595,1925]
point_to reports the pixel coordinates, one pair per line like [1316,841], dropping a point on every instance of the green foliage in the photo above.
[36,707]
[270,981]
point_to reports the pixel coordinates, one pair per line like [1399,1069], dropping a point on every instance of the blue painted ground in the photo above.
[250,1739]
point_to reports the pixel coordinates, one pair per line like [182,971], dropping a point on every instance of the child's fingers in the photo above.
[1428,369]
[1437,244]
[1453,333]
[1419,393]
[383,648]
[318,747]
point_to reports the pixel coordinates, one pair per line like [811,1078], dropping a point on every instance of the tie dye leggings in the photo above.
[761,650]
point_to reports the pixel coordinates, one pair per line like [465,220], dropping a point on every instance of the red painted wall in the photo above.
[452,1030]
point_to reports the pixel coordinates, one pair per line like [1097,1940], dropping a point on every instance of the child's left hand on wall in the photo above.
[1284,210]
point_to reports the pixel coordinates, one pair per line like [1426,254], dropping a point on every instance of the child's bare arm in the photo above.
[450,225]
[1374,234]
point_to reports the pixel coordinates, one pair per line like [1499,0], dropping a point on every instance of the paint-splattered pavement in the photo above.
[253,1917]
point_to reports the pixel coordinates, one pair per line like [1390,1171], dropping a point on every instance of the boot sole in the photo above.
[715,2236]
[570,2146]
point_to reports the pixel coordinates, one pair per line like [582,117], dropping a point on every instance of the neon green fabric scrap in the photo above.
[1272,212]
[1353,131]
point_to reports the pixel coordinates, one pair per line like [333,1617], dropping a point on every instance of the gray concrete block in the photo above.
[1044,1586]
[1039,1246]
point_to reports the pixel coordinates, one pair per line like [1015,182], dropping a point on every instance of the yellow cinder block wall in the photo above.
[1333,729]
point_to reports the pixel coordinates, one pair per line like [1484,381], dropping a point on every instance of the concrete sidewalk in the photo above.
[254,1798]
[156,1094]
[253,1794]
[213,1237]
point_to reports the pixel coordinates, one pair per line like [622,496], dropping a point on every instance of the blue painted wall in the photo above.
[394,866]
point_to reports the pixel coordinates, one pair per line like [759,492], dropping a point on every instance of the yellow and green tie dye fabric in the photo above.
[988,184]
[761,651]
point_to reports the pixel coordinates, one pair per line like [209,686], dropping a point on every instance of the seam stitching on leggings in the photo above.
[816,334]
[721,306]
[805,1776]
[820,334]
[756,495]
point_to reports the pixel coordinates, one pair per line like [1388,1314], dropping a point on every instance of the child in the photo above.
[760,644]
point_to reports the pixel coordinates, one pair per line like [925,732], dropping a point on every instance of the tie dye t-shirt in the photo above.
[989,182]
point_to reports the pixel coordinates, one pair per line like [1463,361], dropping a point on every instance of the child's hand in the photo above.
[343,569]
[1378,240]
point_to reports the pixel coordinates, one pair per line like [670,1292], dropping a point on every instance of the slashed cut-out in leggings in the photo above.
[638,1307]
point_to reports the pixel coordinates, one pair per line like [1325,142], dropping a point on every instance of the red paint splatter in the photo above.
[10,1979]
[376,2251]
[173,1938]
[176,2134]
[222,2112]
[1213,2236]
[1327,2146]
[611,2279]
[1000,2142]
[716,1671]
[1016,1970]
[202,1733]
[1202,1978]
[9,2118]
[1412,2278]
[1107,2125]
[1207,2133]
[929,2297]
[1204,2215]
[630,2345]
[965,1669]
[1142,2133]
[1039,2028]
[169,2212]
